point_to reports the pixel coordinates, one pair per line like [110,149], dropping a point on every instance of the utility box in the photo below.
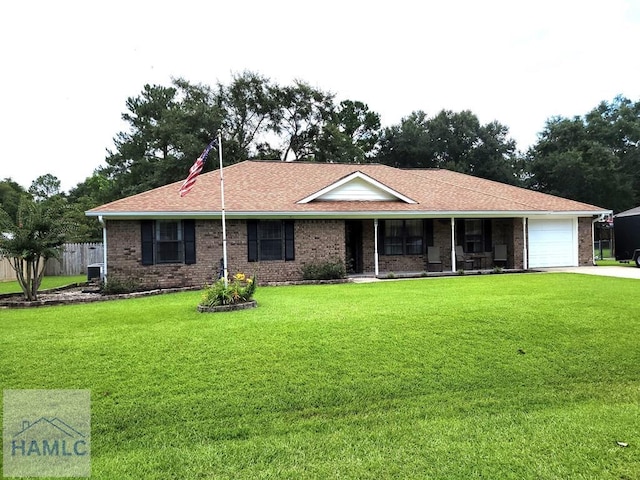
[95,271]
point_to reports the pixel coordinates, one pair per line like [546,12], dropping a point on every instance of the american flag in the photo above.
[195,169]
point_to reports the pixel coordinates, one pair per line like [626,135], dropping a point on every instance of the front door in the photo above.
[353,246]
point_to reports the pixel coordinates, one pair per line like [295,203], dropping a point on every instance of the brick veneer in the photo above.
[315,241]
[585,241]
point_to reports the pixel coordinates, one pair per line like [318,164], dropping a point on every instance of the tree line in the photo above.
[593,158]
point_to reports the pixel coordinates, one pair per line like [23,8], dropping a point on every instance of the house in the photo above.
[283,215]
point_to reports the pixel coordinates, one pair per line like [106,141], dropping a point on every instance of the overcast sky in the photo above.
[69,66]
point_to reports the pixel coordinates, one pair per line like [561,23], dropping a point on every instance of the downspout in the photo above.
[453,244]
[525,241]
[104,246]
[375,246]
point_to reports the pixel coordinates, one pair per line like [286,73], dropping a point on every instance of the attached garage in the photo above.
[553,242]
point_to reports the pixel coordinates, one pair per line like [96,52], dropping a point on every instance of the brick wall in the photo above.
[585,241]
[315,241]
[442,239]
[518,243]
[124,257]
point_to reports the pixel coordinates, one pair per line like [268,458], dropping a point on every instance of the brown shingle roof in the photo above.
[275,188]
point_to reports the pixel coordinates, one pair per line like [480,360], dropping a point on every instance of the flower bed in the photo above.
[237,294]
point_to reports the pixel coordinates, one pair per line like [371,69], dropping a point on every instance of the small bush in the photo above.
[118,286]
[497,269]
[239,289]
[324,271]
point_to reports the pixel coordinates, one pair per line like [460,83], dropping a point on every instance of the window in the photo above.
[270,240]
[474,235]
[473,238]
[168,241]
[393,237]
[403,237]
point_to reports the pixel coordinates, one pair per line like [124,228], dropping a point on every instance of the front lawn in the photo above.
[497,376]
[12,286]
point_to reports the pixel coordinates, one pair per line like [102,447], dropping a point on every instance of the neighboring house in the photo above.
[378,219]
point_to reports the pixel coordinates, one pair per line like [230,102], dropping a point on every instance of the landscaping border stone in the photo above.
[227,308]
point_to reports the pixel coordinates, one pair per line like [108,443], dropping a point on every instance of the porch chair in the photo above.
[462,259]
[500,255]
[433,258]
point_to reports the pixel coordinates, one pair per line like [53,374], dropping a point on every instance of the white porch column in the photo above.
[524,244]
[375,245]
[453,244]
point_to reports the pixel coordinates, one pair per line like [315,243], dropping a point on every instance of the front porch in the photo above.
[390,275]
[390,248]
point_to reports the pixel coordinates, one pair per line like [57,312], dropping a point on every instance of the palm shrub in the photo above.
[239,290]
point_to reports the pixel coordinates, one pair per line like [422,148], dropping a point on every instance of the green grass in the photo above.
[611,262]
[47,282]
[531,376]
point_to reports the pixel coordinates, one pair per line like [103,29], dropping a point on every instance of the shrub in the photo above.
[324,270]
[239,289]
[118,286]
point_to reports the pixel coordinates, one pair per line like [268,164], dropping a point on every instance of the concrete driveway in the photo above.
[614,271]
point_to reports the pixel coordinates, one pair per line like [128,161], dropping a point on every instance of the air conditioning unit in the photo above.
[95,271]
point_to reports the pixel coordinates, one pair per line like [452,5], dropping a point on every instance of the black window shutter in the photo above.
[146,233]
[428,232]
[460,240]
[252,240]
[189,235]
[487,235]
[289,243]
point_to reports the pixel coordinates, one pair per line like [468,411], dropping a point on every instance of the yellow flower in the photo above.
[239,276]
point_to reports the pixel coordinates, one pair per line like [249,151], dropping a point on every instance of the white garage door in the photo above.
[552,243]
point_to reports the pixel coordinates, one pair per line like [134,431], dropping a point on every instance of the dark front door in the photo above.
[353,239]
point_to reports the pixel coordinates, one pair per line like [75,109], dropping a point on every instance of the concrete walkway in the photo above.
[613,271]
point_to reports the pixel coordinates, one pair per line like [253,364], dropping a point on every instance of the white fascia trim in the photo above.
[344,214]
[351,177]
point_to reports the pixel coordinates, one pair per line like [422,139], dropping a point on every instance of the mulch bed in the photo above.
[78,293]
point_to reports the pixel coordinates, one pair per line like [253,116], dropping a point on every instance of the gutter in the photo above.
[365,214]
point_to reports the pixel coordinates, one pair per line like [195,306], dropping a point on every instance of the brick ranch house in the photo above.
[377,219]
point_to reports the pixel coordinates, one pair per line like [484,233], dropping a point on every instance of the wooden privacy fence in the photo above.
[6,272]
[74,259]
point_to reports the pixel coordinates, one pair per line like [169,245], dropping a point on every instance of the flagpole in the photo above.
[224,223]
